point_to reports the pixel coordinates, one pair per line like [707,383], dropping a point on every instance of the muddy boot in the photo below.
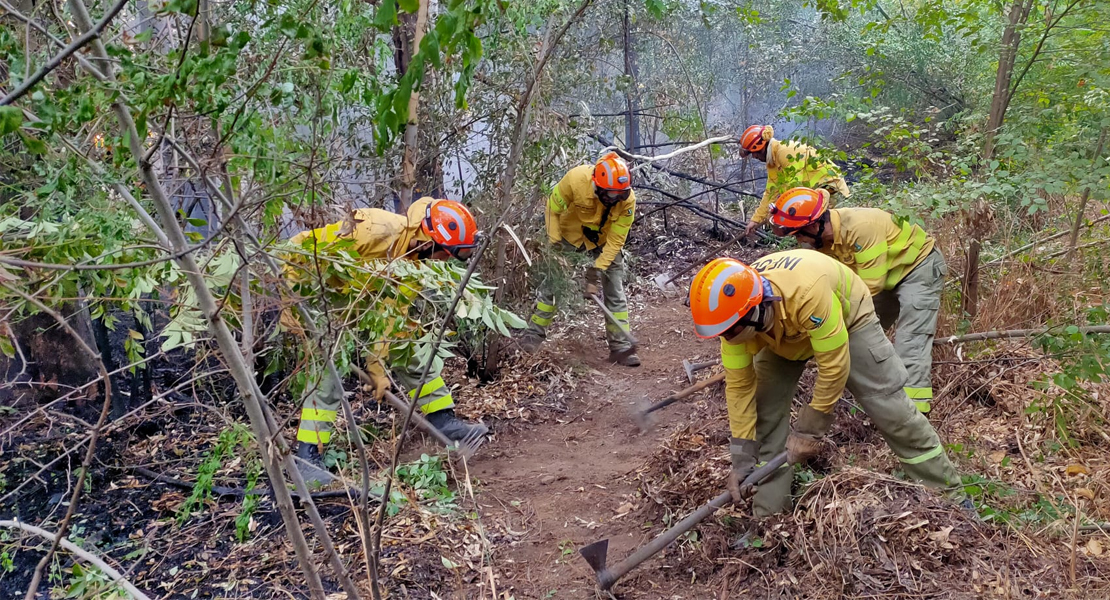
[311,465]
[625,358]
[455,428]
[529,342]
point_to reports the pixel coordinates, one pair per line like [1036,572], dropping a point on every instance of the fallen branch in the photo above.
[1001,259]
[81,553]
[646,160]
[219,490]
[1013,333]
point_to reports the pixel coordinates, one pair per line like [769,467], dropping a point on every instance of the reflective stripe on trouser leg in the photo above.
[542,315]
[612,288]
[876,381]
[434,395]
[777,380]
[319,411]
[918,306]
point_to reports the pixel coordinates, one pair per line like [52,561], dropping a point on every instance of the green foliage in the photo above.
[90,582]
[428,481]
[250,502]
[236,437]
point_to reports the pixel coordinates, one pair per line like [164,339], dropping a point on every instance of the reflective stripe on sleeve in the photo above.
[831,334]
[735,356]
[555,201]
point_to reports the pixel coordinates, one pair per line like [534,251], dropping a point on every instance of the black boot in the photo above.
[453,427]
[311,465]
[625,358]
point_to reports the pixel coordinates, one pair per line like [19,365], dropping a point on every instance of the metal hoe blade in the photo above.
[595,555]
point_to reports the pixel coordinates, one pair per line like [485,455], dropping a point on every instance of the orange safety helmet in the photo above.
[797,207]
[450,225]
[611,173]
[752,138]
[721,294]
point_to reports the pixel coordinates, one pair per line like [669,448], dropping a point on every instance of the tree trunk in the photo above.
[1007,57]
[47,355]
[1096,164]
[406,38]
[631,94]
[1000,101]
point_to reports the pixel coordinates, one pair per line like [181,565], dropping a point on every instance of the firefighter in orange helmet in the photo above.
[773,316]
[431,230]
[591,210]
[899,263]
[789,164]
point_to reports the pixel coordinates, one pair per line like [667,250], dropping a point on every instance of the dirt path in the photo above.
[559,485]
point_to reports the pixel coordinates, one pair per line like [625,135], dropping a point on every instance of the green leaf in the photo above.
[33,144]
[512,320]
[386,17]
[410,6]
[11,117]
[197,222]
[6,347]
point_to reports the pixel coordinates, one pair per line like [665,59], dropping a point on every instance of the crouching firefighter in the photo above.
[899,263]
[772,317]
[591,210]
[789,164]
[431,230]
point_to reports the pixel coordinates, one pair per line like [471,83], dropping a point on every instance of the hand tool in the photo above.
[692,368]
[464,448]
[596,553]
[642,415]
[623,327]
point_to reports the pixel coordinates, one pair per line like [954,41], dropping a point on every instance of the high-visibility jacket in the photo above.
[574,206]
[880,250]
[822,301]
[377,233]
[794,164]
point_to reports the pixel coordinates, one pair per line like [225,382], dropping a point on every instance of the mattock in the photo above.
[692,368]
[596,553]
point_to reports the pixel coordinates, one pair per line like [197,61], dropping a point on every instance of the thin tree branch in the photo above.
[80,552]
[74,46]
[1013,333]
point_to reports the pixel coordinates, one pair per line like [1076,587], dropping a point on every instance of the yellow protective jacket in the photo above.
[877,248]
[574,205]
[377,233]
[794,164]
[822,301]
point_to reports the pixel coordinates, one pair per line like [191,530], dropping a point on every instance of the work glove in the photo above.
[592,286]
[380,380]
[745,455]
[807,438]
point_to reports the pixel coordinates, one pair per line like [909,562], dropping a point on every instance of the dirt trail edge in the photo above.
[557,486]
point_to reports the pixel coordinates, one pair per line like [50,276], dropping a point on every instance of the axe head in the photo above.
[595,554]
[689,368]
